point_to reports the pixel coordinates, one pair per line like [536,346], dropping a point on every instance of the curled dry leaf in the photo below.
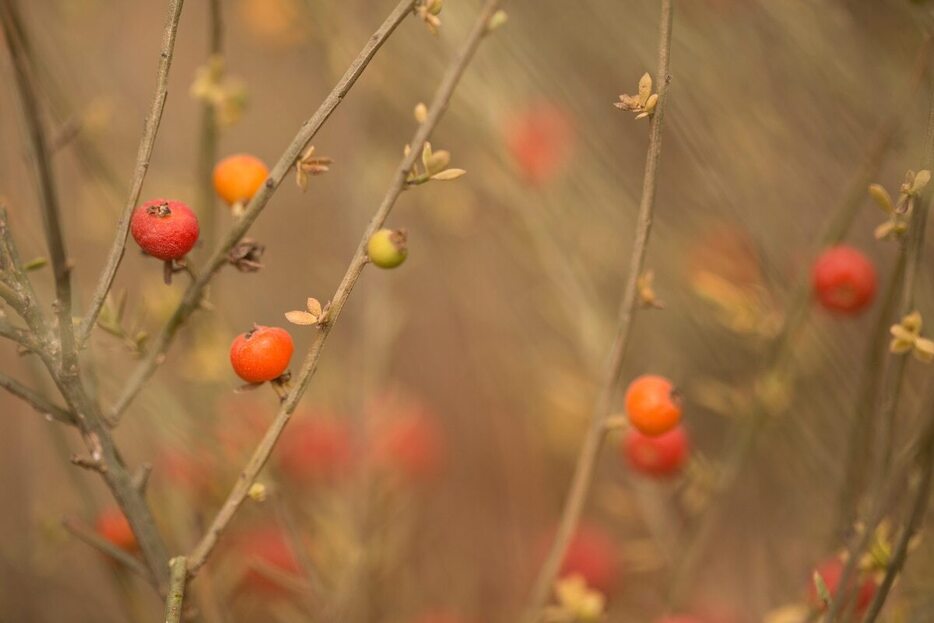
[246,255]
[309,165]
[314,314]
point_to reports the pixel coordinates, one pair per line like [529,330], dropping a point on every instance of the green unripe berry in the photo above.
[387,248]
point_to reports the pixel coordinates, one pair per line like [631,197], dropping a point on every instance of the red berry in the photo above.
[112,524]
[164,229]
[411,445]
[660,456]
[184,471]
[315,449]
[652,405]
[262,354]
[592,554]
[539,140]
[439,616]
[844,279]
[831,571]
[267,555]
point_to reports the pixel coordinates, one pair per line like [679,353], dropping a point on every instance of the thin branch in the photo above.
[437,108]
[835,229]
[207,144]
[587,459]
[195,291]
[918,510]
[33,399]
[15,334]
[895,371]
[48,197]
[143,156]
[176,596]
[87,414]
[88,536]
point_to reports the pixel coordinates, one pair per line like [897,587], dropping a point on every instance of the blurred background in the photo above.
[423,474]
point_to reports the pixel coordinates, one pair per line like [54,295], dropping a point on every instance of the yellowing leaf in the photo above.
[448,175]
[881,196]
[921,180]
[301,317]
[314,307]
[645,88]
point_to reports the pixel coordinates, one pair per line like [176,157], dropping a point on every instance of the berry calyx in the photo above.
[653,406]
[844,280]
[660,456]
[164,229]
[238,177]
[262,354]
[112,525]
[831,572]
[387,248]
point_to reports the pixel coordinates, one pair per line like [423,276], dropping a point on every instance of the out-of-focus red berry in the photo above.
[412,444]
[660,456]
[164,229]
[593,555]
[831,571]
[315,448]
[844,280]
[540,141]
[406,437]
[652,405]
[184,471]
[439,616]
[261,354]
[112,524]
[266,553]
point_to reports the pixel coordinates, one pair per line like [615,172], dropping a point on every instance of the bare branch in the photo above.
[438,106]
[193,295]
[37,402]
[48,197]
[177,579]
[88,536]
[143,156]
[587,459]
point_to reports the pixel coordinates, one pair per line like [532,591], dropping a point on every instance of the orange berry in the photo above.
[112,524]
[261,354]
[238,177]
[652,405]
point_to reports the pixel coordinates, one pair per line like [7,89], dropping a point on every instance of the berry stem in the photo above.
[259,457]
[584,470]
